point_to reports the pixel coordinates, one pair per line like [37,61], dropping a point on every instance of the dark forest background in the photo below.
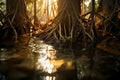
[85,23]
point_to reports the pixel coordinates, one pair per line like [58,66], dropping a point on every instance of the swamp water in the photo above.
[42,61]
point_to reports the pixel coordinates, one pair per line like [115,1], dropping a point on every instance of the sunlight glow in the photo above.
[87,2]
[46,10]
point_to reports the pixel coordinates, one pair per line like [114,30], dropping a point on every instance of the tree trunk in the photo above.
[71,12]
[16,11]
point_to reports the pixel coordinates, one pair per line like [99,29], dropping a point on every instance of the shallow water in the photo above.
[42,61]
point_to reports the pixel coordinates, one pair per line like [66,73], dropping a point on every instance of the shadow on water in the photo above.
[42,61]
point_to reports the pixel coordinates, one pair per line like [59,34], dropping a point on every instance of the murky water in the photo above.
[42,61]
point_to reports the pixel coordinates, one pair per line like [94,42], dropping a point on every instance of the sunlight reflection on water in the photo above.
[48,78]
[48,61]
[45,54]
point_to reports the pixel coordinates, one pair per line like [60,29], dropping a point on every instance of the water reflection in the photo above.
[2,54]
[2,77]
[5,54]
[45,65]
[48,78]
[44,62]
[45,55]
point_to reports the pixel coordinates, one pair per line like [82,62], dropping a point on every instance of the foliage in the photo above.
[2,4]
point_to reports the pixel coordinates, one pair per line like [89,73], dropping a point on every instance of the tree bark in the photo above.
[16,11]
[71,12]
